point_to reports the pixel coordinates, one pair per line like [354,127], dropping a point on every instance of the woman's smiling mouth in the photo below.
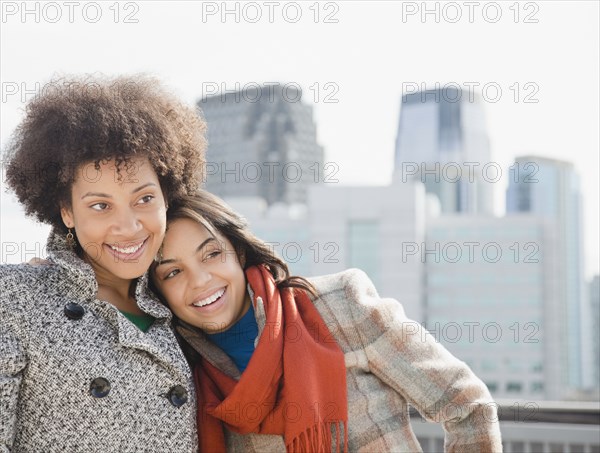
[131,251]
[210,299]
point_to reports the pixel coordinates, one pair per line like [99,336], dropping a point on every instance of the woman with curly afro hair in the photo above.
[88,358]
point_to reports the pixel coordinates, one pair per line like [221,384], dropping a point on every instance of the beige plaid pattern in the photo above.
[391,362]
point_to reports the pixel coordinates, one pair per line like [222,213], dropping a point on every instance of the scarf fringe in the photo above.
[315,438]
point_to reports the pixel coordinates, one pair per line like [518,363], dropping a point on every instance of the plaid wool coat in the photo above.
[391,363]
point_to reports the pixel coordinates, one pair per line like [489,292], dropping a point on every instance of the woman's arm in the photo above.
[406,357]
[13,341]
[12,362]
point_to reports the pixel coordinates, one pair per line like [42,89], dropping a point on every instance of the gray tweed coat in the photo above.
[77,376]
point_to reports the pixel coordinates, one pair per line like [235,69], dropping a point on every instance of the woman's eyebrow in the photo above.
[200,247]
[143,186]
[96,194]
[105,195]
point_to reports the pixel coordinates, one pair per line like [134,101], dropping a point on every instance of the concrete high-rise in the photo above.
[549,188]
[489,285]
[262,143]
[442,141]
[375,229]
[594,338]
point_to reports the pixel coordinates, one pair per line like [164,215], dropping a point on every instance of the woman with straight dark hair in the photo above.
[319,364]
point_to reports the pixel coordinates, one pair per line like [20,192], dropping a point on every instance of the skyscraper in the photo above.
[442,141]
[594,310]
[549,188]
[262,142]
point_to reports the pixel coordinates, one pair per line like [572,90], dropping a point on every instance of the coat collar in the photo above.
[78,278]
[200,343]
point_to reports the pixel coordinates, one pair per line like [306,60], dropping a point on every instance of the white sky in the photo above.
[368,54]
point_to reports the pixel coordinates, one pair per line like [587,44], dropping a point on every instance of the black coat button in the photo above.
[74,311]
[178,396]
[100,387]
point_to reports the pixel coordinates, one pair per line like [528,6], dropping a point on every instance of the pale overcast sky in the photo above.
[366,51]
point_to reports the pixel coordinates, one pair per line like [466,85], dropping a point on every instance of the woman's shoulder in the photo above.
[18,280]
[350,282]
[14,274]
[353,310]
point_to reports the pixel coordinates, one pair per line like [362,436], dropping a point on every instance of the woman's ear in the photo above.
[67,216]
[242,258]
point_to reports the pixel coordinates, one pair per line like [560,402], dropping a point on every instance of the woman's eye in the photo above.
[213,254]
[99,206]
[146,199]
[171,274]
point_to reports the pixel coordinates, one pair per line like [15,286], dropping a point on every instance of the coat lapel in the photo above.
[77,278]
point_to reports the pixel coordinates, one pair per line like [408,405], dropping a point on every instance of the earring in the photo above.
[158,257]
[71,239]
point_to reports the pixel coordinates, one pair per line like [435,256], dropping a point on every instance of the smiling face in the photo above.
[201,278]
[119,222]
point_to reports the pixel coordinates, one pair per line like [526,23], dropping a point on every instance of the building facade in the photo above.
[373,228]
[262,143]
[549,188]
[489,299]
[442,141]
[594,337]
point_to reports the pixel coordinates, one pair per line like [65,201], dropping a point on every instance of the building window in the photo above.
[517,446]
[536,447]
[537,387]
[364,246]
[492,386]
[537,367]
[488,365]
[514,387]
[515,365]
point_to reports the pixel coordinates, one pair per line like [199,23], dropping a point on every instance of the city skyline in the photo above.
[452,266]
[366,73]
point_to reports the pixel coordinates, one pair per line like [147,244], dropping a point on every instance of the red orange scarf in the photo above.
[294,385]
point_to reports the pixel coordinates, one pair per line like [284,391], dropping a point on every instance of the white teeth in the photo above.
[209,299]
[128,250]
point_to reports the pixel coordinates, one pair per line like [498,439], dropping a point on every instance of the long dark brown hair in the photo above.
[217,217]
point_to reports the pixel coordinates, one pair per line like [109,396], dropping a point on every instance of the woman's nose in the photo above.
[200,277]
[127,223]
